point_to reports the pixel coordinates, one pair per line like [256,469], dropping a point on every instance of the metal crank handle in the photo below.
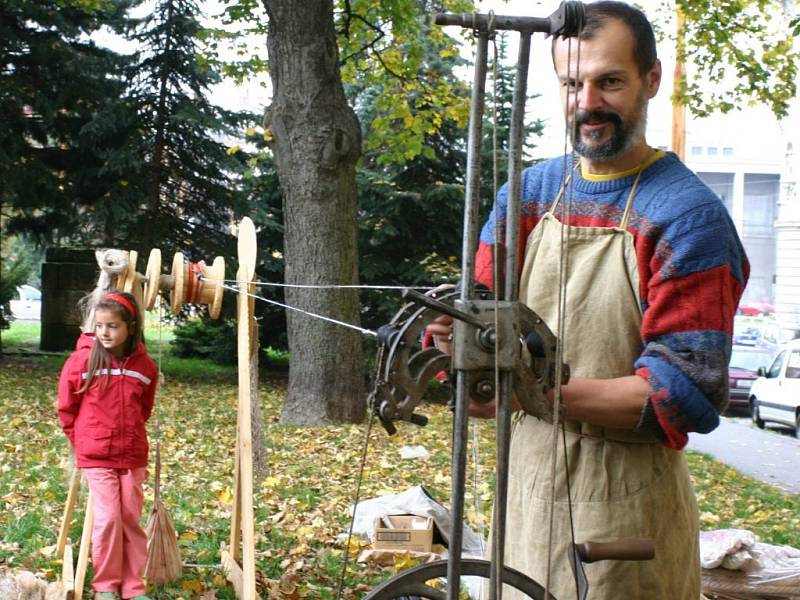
[625,549]
[443,308]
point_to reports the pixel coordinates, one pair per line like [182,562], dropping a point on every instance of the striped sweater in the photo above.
[692,272]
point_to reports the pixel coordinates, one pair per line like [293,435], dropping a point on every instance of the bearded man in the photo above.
[655,272]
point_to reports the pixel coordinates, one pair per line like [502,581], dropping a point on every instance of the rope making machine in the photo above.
[501,348]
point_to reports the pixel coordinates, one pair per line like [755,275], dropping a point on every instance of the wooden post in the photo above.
[679,79]
[242,520]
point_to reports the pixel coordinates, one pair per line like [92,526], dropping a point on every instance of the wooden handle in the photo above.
[627,549]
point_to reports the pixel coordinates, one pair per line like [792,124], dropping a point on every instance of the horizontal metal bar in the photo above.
[443,308]
[566,20]
[487,23]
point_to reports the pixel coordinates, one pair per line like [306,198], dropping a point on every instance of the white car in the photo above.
[775,395]
[27,303]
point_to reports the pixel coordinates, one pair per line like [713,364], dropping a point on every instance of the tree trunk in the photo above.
[316,142]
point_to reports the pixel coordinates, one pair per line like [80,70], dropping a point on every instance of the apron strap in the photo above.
[628,204]
[564,185]
[626,215]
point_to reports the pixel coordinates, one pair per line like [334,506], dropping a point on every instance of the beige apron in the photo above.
[623,484]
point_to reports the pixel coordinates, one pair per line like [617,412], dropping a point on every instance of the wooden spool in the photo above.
[187,283]
[130,281]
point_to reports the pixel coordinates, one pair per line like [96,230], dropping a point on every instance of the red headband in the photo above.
[121,300]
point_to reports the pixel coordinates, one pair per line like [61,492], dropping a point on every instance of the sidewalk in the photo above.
[767,456]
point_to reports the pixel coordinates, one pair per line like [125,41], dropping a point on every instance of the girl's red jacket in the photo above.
[106,423]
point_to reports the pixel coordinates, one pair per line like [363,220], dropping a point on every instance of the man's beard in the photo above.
[625,135]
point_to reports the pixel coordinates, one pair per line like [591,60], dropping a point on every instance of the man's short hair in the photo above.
[644,40]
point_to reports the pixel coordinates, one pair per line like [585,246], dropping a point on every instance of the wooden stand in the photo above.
[193,283]
[242,521]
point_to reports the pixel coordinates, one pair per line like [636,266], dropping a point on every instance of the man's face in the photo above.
[606,104]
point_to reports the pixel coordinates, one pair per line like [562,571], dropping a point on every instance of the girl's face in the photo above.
[111,331]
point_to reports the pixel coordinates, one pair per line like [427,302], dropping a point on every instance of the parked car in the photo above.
[743,371]
[756,308]
[746,335]
[775,395]
[26,303]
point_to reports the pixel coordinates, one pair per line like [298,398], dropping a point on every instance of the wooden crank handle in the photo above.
[625,549]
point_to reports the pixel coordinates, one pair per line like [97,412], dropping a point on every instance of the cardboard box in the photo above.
[404,533]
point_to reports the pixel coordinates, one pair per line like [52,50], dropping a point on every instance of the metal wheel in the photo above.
[755,415]
[415,582]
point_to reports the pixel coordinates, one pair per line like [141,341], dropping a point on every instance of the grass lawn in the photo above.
[301,504]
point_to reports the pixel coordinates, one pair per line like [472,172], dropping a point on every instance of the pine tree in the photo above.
[187,187]
[61,115]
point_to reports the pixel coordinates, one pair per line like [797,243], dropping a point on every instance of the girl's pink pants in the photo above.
[119,544]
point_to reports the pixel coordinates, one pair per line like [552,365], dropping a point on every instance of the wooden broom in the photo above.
[163,555]
[163,563]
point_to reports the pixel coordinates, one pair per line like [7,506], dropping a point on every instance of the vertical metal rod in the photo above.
[503,433]
[516,136]
[473,182]
[458,485]
[470,242]
[515,166]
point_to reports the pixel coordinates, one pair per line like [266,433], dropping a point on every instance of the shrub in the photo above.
[206,338]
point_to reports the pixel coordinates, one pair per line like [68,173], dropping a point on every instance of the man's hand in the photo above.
[442,330]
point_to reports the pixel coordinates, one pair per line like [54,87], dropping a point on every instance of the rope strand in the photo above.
[321,286]
[305,312]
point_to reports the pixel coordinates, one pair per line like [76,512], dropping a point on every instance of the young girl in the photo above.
[105,396]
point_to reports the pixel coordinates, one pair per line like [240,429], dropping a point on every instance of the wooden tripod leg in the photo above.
[83,551]
[72,500]
[68,572]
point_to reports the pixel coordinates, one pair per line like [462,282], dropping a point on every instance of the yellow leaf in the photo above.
[404,561]
[192,585]
[233,150]
[225,496]
[708,518]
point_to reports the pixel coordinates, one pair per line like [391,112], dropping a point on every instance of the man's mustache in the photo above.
[597,116]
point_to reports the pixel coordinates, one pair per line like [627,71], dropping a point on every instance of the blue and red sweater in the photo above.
[692,272]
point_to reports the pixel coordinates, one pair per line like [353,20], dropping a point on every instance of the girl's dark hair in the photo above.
[597,14]
[99,357]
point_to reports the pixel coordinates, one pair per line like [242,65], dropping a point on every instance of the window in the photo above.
[775,369]
[722,185]
[711,150]
[793,368]
[697,150]
[760,197]
[727,151]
